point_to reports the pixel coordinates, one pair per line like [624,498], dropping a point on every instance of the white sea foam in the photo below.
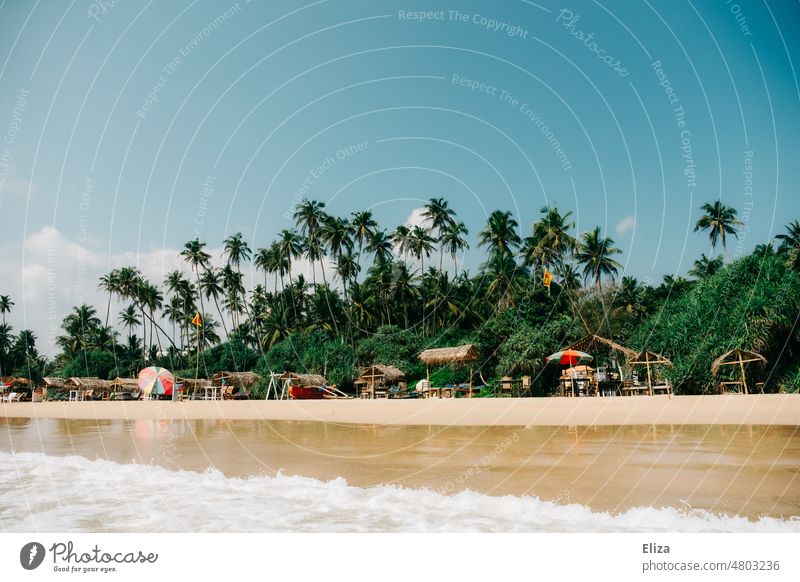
[47,493]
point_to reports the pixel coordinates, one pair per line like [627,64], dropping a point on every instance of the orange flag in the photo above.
[197,320]
[547,278]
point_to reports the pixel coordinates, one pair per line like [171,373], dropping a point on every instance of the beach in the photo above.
[761,409]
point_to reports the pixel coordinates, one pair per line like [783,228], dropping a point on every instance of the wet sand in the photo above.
[761,409]
[743,470]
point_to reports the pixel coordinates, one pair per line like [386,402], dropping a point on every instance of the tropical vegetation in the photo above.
[378,295]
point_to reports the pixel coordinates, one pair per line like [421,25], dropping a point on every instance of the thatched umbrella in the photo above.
[379,375]
[466,354]
[738,357]
[648,359]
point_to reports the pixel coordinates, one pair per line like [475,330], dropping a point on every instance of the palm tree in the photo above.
[594,253]
[211,287]
[380,245]
[453,240]
[108,283]
[550,242]
[705,266]
[194,253]
[401,238]
[290,247]
[129,318]
[719,220]
[790,244]
[5,306]
[309,217]
[362,226]
[500,234]
[264,261]
[335,234]
[79,327]
[439,216]
[403,290]
[420,245]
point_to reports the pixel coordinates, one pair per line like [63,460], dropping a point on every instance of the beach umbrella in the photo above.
[156,380]
[569,358]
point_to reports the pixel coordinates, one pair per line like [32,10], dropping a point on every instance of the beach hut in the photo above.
[377,377]
[459,355]
[53,388]
[86,388]
[243,381]
[740,358]
[122,386]
[651,360]
[190,387]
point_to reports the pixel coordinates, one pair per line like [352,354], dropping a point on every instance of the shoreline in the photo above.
[761,409]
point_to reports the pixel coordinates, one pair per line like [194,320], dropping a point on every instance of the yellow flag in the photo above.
[547,278]
[197,320]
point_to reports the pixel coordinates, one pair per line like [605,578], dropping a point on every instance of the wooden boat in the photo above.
[306,392]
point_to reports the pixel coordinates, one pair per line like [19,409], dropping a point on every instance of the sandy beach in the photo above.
[762,409]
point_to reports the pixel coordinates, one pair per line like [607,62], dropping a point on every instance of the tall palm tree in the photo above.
[403,290]
[550,242]
[309,216]
[401,238]
[380,245]
[719,220]
[290,246]
[420,245]
[594,253]
[362,226]
[108,283]
[129,318]
[439,216]
[453,240]
[211,287]
[195,254]
[5,306]
[500,234]
[264,261]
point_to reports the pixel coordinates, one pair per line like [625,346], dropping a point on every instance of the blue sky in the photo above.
[132,127]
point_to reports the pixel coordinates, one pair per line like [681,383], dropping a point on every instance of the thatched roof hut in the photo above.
[305,379]
[16,381]
[53,383]
[442,356]
[87,383]
[379,374]
[586,344]
[645,358]
[737,357]
[122,384]
[237,379]
[193,383]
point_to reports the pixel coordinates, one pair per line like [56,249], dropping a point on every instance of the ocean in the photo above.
[254,476]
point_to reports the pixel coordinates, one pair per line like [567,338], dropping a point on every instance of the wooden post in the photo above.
[741,367]
[470,381]
[649,381]
[428,372]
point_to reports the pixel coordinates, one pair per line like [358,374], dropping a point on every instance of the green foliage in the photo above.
[391,345]
[232,356]
[526,349]
[311,353]
[91,363]
[750,304]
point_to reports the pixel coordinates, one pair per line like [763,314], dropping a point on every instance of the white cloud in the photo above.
[626,225]
[49,273]
[416,219]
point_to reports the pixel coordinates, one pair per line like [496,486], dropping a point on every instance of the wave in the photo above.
[74,494]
